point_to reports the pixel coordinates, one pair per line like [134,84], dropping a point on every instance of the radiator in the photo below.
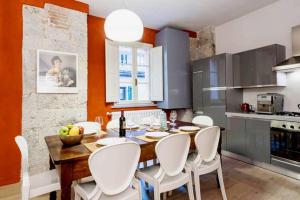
[137,115]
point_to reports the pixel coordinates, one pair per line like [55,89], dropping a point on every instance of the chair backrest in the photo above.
[89,127]
[112,124]
[203,120]
[113,167]
[23,147]
[172,152]
[207,141]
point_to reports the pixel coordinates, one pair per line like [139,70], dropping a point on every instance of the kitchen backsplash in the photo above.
[291,92]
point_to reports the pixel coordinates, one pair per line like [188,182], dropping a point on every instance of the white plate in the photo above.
[89,127]
[189,128]
[111,141]
[156,134]
[133,126]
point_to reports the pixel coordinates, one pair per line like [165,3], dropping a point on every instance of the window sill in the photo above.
[133,105]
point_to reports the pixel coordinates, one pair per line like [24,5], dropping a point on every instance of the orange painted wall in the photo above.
[11,89]
[96,68]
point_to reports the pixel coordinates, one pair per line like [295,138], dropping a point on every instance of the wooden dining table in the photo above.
[72,162]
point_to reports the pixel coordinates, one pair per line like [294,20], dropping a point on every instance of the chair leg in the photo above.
[170,193]
[77,197]
[156,193]
[220,175]
[197,186]
[218,182]
[190,188]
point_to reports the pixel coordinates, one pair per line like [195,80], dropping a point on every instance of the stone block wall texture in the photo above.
[44,114]
[203,45]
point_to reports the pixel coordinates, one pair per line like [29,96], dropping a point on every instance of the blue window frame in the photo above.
[141,74]
[125,73]
[122,93]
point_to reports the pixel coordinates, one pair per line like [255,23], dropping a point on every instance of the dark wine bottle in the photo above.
[122,125]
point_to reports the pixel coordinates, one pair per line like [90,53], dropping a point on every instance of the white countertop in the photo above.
[263,116]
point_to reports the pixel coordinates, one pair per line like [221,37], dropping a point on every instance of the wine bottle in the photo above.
[122,125]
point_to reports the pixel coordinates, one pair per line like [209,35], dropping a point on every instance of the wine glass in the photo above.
[173,116]
[99,120]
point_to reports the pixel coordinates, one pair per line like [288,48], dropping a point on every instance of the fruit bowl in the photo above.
[71,135]
[69,140]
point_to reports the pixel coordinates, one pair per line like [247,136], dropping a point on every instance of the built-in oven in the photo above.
[285,145]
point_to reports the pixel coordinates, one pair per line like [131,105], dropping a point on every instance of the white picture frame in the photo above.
[57,72]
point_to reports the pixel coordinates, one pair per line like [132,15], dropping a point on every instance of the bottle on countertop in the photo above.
[122,125]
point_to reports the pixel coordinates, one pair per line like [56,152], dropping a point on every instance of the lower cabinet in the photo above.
[236,135]
[258,140]
[249,138]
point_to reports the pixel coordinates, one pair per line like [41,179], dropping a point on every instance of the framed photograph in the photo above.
[57,72]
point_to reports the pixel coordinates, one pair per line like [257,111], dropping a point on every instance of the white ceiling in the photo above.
[185,14]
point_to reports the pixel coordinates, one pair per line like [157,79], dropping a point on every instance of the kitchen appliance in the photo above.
[285,144]
[246,107]
[292,63]
[269,103]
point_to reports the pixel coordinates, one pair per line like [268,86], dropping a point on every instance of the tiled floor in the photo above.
[242,181]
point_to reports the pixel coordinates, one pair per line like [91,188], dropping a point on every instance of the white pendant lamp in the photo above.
[123,25]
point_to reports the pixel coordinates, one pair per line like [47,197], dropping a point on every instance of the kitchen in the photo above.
[233,66]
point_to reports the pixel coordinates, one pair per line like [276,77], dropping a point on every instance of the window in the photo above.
[134,73]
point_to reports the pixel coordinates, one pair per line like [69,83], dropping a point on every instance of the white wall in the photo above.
[268,25]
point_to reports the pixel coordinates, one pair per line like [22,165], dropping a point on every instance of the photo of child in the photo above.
[57,72]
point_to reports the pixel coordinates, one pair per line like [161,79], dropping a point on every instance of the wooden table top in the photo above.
[60,153]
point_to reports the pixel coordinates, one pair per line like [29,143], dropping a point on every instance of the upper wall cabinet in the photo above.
[253,68]
[177,75]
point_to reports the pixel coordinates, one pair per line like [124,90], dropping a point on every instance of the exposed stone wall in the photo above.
[204,45]
[43,114]
[201,47]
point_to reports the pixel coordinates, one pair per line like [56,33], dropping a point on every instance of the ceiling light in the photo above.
[123,25]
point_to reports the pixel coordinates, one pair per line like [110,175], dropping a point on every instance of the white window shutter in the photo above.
[156,72]
[112,71]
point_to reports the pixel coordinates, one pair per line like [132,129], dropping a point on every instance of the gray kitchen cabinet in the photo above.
[236,135]
[214,105]
[198,91]
[258,140]
[249,138]
[253,68]
[212,85]
[215,72]
[177,73]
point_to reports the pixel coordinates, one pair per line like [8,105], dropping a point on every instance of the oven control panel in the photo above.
[289,126]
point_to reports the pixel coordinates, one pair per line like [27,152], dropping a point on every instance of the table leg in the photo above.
[66,178]
[52,166]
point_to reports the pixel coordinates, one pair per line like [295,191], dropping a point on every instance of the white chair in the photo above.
[113,169]
[36,185]
[112,124]
[89,127]
[172,152]
[203,120]
[206,159]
